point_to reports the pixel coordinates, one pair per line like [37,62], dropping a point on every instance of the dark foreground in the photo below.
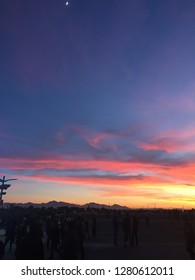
[161,236]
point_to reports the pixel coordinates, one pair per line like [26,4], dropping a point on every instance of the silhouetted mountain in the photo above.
[119,207]
[56,204]
[96,205]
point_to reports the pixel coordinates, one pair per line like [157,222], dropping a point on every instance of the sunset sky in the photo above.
[98,101]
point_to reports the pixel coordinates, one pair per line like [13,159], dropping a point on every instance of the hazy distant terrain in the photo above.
[56,204]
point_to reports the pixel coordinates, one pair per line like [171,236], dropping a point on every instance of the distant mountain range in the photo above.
[57,204]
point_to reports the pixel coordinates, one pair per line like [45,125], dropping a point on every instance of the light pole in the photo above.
[3,187]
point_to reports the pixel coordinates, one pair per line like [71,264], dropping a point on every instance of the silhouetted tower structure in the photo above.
[3,187]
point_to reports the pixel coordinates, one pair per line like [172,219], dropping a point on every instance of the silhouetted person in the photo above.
[70,242]
[134,238]
[115,224]
[189,238]
[126,226]
[21,231]
[31,245]
[94,228]
[10,233]
[86,229]
[80,231]
[53,237]
[2,250]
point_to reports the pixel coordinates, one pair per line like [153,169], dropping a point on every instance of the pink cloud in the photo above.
[171,141]
[94,138]
[46,168]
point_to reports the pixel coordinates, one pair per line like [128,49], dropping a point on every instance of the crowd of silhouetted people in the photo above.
[39,234]
[48,235]
[64,238]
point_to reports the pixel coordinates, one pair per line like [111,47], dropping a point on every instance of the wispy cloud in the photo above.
[176,140]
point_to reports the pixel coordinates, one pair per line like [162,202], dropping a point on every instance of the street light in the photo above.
[3,187]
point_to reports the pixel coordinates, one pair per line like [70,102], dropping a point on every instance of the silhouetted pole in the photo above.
[3,187]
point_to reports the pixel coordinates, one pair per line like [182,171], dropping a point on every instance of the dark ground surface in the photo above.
[163,239]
